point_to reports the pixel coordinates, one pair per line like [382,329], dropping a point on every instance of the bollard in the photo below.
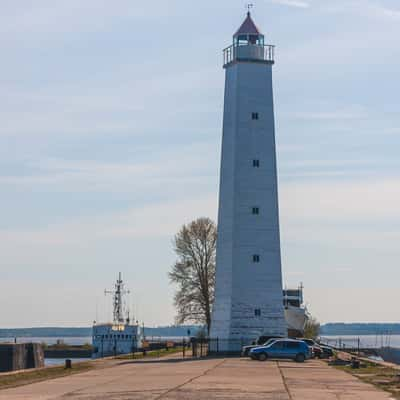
[355,364]
[68,364]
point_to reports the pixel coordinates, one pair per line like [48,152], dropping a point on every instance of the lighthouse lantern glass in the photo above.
[246,40]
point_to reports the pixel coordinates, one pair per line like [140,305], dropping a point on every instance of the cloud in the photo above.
[292,3]
[343,201]
[304,206]
[74,15]
[375,10]
[147,171]
[119,103]
[359,215]
[390,13]
[365,8]
[350,113]
[110,141]
[147,223]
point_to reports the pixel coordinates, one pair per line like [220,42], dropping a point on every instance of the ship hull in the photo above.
[296,318]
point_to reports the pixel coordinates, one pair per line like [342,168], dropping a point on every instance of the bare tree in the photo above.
[194,271]
[312,328]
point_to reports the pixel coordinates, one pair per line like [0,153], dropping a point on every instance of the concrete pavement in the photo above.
[205,379]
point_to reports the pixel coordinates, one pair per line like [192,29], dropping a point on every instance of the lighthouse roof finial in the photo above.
[248,27]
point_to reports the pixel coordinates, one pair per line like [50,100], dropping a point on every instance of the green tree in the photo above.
[194,271]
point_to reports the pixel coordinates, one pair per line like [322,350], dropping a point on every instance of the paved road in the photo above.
[175,379]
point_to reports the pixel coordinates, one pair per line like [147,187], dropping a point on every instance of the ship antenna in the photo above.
[118,294]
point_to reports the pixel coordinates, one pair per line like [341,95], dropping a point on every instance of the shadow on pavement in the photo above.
[163,361]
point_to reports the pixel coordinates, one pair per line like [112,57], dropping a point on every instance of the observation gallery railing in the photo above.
[249,52]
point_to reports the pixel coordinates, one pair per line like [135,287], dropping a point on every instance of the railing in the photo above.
[249,52]
[202,347]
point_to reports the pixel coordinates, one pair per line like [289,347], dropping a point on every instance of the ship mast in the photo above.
[118,294]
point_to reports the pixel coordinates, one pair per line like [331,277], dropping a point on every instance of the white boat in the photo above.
[119,336]
[296,313]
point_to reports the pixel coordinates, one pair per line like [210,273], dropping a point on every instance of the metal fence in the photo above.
[202,347]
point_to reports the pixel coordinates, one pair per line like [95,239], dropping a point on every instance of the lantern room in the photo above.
[248,45]
[248,34]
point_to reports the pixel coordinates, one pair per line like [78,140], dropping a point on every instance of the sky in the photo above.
[110,139]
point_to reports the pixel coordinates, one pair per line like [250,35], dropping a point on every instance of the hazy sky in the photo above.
[111,116]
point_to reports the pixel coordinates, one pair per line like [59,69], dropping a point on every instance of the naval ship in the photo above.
[296,313]
[118,336]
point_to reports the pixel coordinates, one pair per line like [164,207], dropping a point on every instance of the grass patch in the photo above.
[38,375]
[384,378]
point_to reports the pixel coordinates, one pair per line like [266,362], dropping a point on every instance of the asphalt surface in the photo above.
[204,379]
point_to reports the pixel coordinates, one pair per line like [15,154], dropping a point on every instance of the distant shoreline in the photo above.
[184,331]
[333,329]
[338,328]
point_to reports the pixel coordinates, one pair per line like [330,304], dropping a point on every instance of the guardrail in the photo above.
[261,53]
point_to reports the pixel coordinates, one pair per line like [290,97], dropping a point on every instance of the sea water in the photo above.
[373,341]
[70,340]
[366,341]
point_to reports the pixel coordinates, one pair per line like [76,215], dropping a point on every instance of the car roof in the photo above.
[289,340]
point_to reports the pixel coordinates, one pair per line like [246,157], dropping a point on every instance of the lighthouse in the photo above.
[248,289]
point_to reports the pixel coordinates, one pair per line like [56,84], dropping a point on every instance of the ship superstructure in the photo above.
[296,313]
[119,336]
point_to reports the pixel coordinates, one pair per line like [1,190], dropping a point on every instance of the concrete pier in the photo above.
[202,379]
[17,356]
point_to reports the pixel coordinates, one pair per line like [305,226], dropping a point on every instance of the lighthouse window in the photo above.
[256,163]
[254,115]
[256,258]
[257,312]
[256,211]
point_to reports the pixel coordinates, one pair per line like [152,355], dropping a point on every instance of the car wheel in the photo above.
[300,358]
[262,357]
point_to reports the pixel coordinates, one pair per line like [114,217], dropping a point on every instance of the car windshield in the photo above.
[269,341]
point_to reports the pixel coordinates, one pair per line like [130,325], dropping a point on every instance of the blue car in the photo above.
[296,350]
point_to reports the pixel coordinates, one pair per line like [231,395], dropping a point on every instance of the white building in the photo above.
[248,293]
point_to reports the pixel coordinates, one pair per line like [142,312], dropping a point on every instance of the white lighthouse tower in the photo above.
[248,294]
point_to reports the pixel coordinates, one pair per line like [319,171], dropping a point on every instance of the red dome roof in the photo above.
[248,27]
